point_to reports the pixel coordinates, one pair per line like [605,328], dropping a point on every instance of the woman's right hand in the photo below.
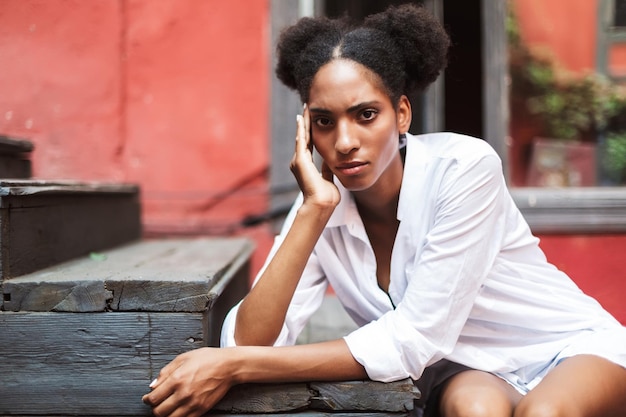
[318,190]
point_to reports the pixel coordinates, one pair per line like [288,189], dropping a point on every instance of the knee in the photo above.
[543,408]
[472,405]
[476,394]
[476,408]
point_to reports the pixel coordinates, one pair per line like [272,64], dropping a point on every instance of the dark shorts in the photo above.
[431,383]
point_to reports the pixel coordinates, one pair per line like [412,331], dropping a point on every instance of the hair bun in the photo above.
[295,39]
[420,38]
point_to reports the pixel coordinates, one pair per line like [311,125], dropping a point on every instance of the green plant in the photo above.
[614,157]
[570,106]
[573,107]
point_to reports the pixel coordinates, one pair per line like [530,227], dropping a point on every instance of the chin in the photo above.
[354,184]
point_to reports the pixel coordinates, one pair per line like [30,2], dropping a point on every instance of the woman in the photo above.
[422,244]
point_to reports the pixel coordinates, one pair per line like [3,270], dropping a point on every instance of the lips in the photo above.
[351,168]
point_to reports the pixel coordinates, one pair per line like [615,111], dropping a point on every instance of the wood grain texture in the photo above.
[29,187]
[365,395]
[168,275]
[44,223]
[87,364]
[310,413]
[101,364]
[265,398]
[355,396]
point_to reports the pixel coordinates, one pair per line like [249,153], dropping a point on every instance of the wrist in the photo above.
[316,210]
[247,364]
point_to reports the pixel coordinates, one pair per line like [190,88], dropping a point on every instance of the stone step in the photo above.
[43,223]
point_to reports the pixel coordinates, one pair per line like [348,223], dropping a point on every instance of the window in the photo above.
[567,130]
[619,13]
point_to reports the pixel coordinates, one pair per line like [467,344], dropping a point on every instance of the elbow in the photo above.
[243,338]
[254,333]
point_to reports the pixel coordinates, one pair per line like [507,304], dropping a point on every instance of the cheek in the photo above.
[320,144]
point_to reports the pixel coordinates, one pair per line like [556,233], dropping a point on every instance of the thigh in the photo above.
[582,385]
[477,393]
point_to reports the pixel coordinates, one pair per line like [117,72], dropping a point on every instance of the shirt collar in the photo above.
[414,168]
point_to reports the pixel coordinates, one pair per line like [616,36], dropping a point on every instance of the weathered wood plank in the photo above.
[357,396]
[168,275]
[313,413]
[396,396]
[14,167]
[12,145]
[42,224]
[29,187]
[91,363]
[79,297]
[101,364]
[265,398]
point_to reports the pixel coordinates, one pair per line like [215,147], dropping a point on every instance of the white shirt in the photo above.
[468,280]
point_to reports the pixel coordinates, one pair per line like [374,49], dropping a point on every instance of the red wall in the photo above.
[565,27]
[595,263]
[172,95]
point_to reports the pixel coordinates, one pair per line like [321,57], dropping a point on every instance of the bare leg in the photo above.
[580,386]
[478,394]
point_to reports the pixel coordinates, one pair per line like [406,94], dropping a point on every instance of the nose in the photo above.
[346,140]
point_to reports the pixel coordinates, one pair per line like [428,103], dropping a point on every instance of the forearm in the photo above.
[196,380]
[326,361]
[262,313]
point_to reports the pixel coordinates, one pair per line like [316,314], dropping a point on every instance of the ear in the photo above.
[403,114]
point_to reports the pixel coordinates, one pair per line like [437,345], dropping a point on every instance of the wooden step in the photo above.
[43,223]
[86,337]
[359,398]
[14,158]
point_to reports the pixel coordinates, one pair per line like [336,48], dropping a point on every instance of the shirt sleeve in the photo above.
[446,275]
[306,300]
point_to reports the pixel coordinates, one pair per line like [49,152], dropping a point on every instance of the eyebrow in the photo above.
[351,109]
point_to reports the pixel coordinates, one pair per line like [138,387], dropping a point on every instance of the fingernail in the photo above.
[153,383]
[304,106]
[298,117]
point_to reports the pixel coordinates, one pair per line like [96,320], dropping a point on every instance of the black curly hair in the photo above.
[404,45]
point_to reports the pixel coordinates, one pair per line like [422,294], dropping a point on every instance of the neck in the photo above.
[380,202]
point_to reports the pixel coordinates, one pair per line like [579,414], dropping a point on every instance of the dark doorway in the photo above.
[463,78]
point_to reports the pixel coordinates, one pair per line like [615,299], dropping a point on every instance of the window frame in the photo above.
[547,210]
[607,36]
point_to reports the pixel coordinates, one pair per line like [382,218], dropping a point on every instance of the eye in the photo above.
[322,121]
[368,115]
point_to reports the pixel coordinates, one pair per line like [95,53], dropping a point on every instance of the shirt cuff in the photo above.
[375,351]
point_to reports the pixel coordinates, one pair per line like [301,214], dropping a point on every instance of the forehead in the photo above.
[345,81]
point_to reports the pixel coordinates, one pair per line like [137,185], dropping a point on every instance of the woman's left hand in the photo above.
[191,384]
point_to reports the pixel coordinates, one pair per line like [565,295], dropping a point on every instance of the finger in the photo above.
[158,396]
[166,371]
[306,115]
[159,386]
[169,407]
[300,135]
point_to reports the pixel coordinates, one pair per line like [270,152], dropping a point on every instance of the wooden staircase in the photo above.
[90,312]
